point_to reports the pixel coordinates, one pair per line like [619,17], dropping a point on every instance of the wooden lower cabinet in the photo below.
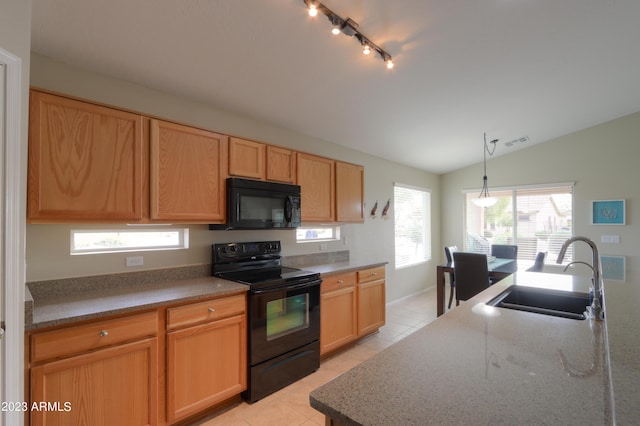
[338,311]
[371,300]
[128,371]
[113,386]
[207,362]
[352,305]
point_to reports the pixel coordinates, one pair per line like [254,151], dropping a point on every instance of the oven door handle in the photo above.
[287,287]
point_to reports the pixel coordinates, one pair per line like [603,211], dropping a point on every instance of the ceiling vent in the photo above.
[517,141]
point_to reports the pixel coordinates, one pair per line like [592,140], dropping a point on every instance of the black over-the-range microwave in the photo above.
[255,204]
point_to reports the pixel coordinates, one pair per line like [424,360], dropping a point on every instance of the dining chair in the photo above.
[538,264]
[504,251]
[472,274]
[448,251]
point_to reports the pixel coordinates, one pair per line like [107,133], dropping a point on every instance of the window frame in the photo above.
[182,244]
[515,216]
[427,217]
[335,234]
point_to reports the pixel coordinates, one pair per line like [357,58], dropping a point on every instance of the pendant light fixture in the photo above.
[485,200]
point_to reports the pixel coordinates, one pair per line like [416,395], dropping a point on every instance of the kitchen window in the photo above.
[322,233]
[412,207]
[92,241]
[536,219]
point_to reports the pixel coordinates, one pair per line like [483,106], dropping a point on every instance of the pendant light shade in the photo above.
[485,200]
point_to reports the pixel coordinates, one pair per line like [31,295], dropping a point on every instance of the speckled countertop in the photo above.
[479,365]
[345,266]
[67,301]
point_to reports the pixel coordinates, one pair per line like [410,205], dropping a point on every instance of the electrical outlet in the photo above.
[135,261]
[323,246]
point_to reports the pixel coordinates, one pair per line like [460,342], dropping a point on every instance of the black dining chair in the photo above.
[504,251]
[448,251]
[538,264]
[472,274]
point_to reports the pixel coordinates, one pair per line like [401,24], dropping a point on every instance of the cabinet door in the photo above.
[338,318]
[246,158]
[317,181]
[114,386]
[349,192]
[281,164]
[85,162]
[371,306]
[188,169]
[206,364]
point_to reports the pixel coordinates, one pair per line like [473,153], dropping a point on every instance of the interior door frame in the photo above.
[12,244]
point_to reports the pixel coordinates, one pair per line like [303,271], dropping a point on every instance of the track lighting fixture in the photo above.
[348,26]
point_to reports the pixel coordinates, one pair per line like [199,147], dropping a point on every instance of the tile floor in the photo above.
[290,406]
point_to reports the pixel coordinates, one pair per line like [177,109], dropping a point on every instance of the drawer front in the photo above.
[371,274]
[209,310]
[82,338]
[335,282]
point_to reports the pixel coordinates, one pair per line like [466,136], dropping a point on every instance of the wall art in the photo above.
[608,212]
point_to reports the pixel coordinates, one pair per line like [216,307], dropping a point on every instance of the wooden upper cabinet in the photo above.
[85,162]
[188,172]
[246,158]
[349,192]
[316,176]
[256,160]
[281,164]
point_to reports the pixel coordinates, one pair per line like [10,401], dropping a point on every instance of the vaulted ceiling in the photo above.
[515,69]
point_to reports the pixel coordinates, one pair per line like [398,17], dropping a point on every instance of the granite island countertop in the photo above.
[485,365]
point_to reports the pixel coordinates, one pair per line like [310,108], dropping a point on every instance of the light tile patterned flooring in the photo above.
[290,406]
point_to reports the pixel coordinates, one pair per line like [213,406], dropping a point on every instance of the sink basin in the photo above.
[543,301]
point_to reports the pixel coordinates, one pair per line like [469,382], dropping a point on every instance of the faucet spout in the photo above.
[596,310]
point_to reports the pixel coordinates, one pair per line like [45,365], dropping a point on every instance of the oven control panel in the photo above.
[242,250]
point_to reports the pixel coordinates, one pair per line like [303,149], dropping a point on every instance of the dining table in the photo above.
[498,267]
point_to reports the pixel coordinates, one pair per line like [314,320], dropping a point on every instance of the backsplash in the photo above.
[67,286]
[300,261]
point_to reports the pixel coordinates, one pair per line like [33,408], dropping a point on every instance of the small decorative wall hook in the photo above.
[385,210]
[374,210]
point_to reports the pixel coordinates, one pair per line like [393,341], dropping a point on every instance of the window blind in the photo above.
[412,208]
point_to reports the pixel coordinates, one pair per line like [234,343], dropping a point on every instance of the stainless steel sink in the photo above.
[543,301]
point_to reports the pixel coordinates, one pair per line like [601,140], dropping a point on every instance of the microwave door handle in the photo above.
[288,209]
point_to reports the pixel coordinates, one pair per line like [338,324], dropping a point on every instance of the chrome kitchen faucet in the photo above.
[596,310]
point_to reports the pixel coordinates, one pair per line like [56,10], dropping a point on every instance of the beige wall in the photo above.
[48,245]
[601,160]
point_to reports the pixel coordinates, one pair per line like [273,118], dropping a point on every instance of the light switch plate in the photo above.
[610,239]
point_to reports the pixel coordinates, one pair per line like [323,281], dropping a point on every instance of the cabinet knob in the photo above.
[340,282]
[104,333]
[211,310]
[374,274]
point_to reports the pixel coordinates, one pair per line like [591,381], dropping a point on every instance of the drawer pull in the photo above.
[211,310]
[374,274]
[104,333]
[340,282]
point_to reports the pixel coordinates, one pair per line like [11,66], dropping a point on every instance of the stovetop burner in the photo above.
[257,264]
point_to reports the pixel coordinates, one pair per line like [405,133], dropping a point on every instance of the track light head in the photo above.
[336,24]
